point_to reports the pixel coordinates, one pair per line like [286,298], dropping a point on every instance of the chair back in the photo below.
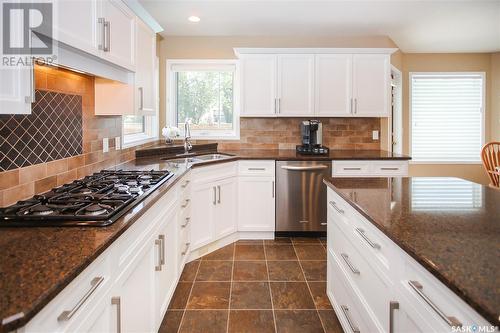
[490,154]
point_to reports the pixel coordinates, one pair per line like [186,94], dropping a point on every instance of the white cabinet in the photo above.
[333,85]
[371,85]
[76,24]
[16,90]
[225,210]
[256,207]
[258,85]
[370,168]
[202,218]
[145,89]
[295,85]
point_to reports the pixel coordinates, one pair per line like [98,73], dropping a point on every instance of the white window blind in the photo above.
[447,117]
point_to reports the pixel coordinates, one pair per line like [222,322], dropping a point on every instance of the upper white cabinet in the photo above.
[333,84]
[371,87]
[16,90]
[328,83]
[258,86]
[145,87]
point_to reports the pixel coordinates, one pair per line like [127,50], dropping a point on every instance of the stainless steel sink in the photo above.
[199,159]
[186,160]
[212,157]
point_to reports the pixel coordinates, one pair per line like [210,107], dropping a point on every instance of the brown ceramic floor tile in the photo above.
[206,321]
[318,291]
[249,252]
[209,295]
[171,321]
[285,271]
[250,242]
[310,252]
[250,295]
[189,271]
[291,295]
[225,253]
[251,321]
[306,240]
[181,295]
[314,270]
[330,321]
[278,241]
[250,271]
[298,321]
[280,252]
[215,271]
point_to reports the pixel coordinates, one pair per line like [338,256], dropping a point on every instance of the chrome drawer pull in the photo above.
[117,301]
[450,320]
[257,169]
[389,168]
[352,169]
[158,243]
[215,195]
[349,263]
[186,203]
[334,205]
[94,284]
[186,249]
[162,249]
[353,326]
[185,184]
[393,305]
[361,232]
[187,222]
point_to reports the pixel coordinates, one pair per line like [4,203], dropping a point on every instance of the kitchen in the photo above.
[167,168]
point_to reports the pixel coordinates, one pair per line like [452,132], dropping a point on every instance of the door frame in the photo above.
[395,133]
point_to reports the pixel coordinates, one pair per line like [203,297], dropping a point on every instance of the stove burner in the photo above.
[145,182]
[145,177]
[134,189]
[122,188]
[97,209]
[40,210]
[84,190]
[132,183]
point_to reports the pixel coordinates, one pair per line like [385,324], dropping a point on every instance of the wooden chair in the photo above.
[490,154]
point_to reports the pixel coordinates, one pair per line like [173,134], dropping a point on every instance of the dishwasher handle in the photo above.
[305,168]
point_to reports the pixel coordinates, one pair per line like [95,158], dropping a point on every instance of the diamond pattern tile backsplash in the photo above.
[52,131]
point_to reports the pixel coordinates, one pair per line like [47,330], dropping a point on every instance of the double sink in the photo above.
[197,159]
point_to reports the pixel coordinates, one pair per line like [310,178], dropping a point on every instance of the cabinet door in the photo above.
[101,318]
[166,275]
[120,35]
[256,204]
[77,25]
[406,319]
[145,69]
[135,290]
[371,85]
[295,85]
[16,91]
[202,218]
[225,213]
[258,86]
[333,85]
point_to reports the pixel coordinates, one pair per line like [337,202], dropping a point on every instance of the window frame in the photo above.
[410,115]
[171,93]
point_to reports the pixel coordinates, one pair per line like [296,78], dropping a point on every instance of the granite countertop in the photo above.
[449,225]
[37,263]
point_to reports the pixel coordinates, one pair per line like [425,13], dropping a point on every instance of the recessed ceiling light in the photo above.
[194,19]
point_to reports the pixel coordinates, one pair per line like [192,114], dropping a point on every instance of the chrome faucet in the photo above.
[187,136]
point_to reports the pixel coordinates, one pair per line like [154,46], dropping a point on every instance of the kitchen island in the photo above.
[430,248]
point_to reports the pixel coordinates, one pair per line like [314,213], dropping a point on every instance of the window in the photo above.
[133,125]
[447,118]
[204,92]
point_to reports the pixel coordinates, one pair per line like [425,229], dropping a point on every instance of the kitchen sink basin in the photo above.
[212,157]
[199,159]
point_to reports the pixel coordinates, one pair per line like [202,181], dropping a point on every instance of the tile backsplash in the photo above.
[51,132]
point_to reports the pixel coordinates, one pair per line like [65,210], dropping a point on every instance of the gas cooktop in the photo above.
[96,200]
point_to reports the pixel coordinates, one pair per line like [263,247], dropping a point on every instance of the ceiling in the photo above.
[415,26]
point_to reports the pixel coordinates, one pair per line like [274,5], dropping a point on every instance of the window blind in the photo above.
[447,119]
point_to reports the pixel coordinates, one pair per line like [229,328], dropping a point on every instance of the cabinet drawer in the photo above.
[390,168]
[204,174]
[256,168]
[350,168]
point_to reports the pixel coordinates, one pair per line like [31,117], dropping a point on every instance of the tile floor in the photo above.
[255,286]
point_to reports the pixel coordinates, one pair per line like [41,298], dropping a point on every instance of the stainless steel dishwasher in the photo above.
[301,195]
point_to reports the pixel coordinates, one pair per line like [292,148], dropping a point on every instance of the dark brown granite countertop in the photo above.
[37,263]
[449,225]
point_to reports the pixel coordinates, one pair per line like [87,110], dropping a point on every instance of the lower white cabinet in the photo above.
[256,203]
[225,208]
[370,168]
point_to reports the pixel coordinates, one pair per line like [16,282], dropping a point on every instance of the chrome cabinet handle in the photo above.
[279,105]
[324,223]
[393,305]
[350,106]
[186,249]
[389,168]
[351,169]
[162,249]
[186,203]
[158,266]
[450,320]
[355,106]
[185,184]
[117,301]
[273,189]
[141,96]
[101,21]
[361,232]
[257,169]
[218,188]
[94,284]
[215,195]
[304,168]
[334,205]
[275,106]
[187,222]
[349,263]
[352,325]
[107,28]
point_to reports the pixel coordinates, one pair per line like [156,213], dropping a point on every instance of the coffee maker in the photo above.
[312,138]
